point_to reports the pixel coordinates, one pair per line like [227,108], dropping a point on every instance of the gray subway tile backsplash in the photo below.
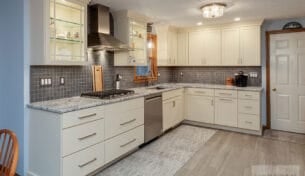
[78,79]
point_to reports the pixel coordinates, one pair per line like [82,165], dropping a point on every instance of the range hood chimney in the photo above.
[99,37]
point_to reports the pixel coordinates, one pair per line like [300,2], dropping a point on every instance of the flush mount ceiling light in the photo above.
[213,10]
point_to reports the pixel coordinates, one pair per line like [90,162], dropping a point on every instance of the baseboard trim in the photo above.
[201,124]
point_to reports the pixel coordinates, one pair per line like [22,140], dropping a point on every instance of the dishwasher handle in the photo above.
[153,98]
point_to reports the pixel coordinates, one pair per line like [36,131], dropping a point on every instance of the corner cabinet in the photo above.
[58,32]
[131,28]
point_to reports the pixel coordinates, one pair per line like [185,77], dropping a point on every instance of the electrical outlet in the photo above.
[61,81]
[181,74]
[159,74]
[253,74]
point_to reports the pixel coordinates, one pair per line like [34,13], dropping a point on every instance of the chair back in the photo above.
[8,153]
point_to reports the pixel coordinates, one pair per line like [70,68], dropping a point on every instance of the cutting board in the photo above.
[97,74]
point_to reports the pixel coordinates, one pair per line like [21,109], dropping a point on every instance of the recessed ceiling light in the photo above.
[237,19]
[199,24]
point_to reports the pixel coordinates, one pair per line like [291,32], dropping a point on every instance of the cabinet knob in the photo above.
[274,89]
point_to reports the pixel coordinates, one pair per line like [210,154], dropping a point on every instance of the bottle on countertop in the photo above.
[118,81]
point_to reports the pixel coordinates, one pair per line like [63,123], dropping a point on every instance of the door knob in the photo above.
[274,89]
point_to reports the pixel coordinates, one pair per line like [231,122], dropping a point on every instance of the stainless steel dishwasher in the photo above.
[152,117]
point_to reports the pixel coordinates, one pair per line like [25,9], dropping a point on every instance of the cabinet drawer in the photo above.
[249,107]
[200,92]
[247,121]
[125,105]
[82,116]
[85,161]
[226,93]
[80,137]
[123,143]
[248,95]
[117,122]
[172,94]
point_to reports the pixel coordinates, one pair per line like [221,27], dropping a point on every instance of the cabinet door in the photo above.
[226,112]
[172,47]
[230,47]
[250,46]
[168,114]
[182,50]
[178,111]
[162,45]
[196,48]
[200,108]
[212,47]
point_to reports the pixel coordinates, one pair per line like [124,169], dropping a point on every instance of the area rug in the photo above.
[163,157]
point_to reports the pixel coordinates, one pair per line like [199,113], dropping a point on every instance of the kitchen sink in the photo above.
[159,87]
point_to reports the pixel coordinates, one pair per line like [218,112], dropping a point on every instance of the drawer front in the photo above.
[248,95]
[172,94]
[249,107]
[84,162]
[200,92]
[249,122]
[123,143]
[117,122]
[226,93]
[125,105]
[83,116]
[80,137]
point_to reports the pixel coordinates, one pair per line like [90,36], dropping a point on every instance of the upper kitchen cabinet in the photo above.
[167,44]
[182,48]
[241,46]
[205,48]
[58,32]
[131,28]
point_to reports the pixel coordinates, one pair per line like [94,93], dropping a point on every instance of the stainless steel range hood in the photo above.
[100,37]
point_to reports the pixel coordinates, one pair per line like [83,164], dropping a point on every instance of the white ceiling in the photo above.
[186,13]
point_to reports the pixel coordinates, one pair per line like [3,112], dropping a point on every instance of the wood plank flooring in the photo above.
[234,154]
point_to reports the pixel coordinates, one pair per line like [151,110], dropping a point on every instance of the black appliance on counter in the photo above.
[241,79]
[108,94]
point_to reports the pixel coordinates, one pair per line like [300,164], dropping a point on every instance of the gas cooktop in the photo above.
[108,94]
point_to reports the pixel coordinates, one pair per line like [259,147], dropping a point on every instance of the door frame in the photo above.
[268,91]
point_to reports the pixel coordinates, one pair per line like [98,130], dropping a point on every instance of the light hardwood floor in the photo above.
[234,154]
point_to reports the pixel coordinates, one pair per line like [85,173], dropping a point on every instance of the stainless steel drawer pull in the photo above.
[225,93]
[125,123]
[87,116]
[225,100]
[200,92]
[89,162]
[248,122]
[88,136]
[134,140]
[248,107]
[248,95]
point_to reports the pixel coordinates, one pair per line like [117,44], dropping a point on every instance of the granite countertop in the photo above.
[65,105]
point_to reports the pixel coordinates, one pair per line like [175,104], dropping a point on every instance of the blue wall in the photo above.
[12,71]
[271,25]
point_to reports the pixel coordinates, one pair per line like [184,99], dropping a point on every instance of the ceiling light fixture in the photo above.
[213,10]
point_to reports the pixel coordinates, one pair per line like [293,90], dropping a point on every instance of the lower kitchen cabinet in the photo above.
[172,108]
[226,111]
[199,105]
[80,142]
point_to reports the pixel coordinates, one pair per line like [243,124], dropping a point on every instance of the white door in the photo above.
[230,47]
[226,111]
[196,54]
[200,108]
[212,47]
[250,46]
[287,66]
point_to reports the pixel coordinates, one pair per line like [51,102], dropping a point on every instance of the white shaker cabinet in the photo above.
[182,48]
[196,48]
[58,32]
[250,51]
[199,105]
[230,47]
[212,47]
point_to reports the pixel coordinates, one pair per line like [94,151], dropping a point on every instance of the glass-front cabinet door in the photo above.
[67,32]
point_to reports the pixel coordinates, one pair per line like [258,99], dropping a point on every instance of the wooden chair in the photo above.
[8,153]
